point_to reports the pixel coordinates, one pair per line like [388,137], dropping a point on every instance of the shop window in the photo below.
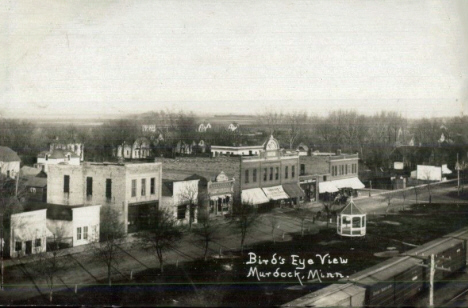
[37,242]
[152,186]
[18,246]
[78,233]
[133,188]
[143,187]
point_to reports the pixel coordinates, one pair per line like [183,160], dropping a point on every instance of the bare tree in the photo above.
[271,119]
[48,264]
[295,123]
[162,234]
[328,206]
[388,198]
[207,230]
[274,224]
[188,194]
[303,214]
[112,234]
[245,217]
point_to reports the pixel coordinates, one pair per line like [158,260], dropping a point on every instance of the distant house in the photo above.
[203,127]
[36,187]
[139,149]
[9,162]
[55,157]
[72,146]
[233,127]
[302,149]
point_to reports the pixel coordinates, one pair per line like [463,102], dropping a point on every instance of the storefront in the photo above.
[220,194]
[295,193]
[254,196]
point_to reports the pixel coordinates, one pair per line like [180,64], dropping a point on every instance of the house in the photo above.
[138,149]
[36,187]
[55,157]
[203,127]
[180,197]
[233,127]
[9,162]
[302,149]
[129,188]
[71,146]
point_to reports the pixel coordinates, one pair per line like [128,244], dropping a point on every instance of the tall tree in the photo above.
[207,230]
[162,234]
[245,217]
[112,234]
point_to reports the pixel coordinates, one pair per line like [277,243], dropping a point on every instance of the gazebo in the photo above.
[351,221]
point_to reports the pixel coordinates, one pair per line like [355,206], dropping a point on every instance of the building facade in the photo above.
[28,233]
[217,150]
[55,157]
[130,188]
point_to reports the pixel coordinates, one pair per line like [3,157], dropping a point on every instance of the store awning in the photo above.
[254,196]
[293,190]
[275,193]
[327,187]
[353,183]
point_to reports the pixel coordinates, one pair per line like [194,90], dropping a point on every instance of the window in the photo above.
[277,173]
[181,211]
[271,173]
[85,233]
[89,186]
[18,246]
[346,169]
[286,172]
[78,233]
[37,242]
[66,183]
[133,188]
[47,157]
[293,171]
[246,176]
[109,189]
[265,174]
[143,187]
[302,172]
[32,190]
[152,186]
[254,175]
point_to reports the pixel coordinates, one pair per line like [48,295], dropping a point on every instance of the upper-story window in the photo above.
[66,183]
[109,189]
[277,173]
[271,173]
[247,176]
[153,186]
[302,172]
[286,172]
[264,174]
[133,188]
[143,187]
[89,186]
[346,169]
[254,175]
[293,171]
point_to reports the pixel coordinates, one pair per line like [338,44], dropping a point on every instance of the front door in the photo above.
[28,247]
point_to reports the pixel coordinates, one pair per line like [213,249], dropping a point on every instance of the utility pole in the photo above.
[432,269]
[2,241]
[457,166]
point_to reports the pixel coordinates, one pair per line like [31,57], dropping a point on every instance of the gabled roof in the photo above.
[8,155]
[34,181]
[27,171]
[352,209]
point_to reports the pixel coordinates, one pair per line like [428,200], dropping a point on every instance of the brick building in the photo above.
[333,173]
[271,176]
[130,188]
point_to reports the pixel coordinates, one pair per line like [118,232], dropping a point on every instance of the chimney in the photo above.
[338,152]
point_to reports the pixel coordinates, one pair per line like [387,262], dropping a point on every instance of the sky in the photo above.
[101,58]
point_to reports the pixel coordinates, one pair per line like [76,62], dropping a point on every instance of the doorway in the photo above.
[28,247]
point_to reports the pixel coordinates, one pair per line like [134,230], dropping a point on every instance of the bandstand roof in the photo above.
[352,209]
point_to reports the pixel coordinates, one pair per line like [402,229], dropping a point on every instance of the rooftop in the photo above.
[8,155]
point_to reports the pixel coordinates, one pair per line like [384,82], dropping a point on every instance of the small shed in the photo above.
[351,221]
